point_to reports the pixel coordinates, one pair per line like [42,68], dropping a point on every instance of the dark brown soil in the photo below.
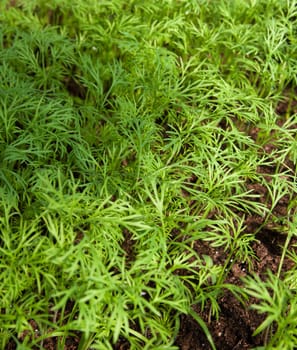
[235,326]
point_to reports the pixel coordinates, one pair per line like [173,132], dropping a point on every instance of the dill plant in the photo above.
[134,118]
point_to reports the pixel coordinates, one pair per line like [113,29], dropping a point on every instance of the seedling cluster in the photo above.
[132,132]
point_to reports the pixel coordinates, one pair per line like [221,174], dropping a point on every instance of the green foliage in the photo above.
[126,136]
[278,302]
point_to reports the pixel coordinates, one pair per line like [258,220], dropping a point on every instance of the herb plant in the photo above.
[127,137]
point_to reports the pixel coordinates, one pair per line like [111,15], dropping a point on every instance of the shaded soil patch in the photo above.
[233,329]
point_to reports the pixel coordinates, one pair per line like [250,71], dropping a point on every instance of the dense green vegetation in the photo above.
[126,138]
